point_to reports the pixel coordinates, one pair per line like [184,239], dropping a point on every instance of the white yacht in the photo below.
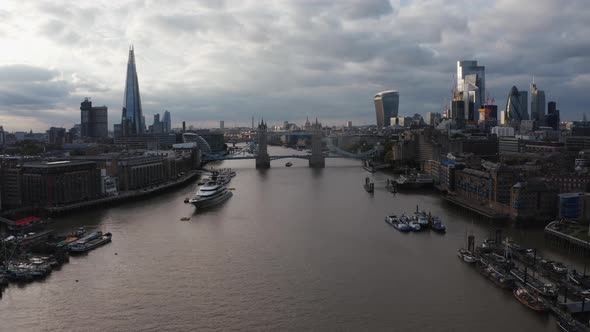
[210,194]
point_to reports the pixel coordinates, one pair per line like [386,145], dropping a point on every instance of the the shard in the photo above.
[132,117]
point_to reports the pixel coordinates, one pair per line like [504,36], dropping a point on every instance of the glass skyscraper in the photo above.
[514,105]
[471,86]
[132,123]
[167,122]
[537,104]
[386,107]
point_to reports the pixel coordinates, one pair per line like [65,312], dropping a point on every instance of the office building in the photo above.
[11,181]
[514,110]
[215,139]
[532,199]
[552,119]
[488,115]
[527,126]
[524,105]
[471,86]
[503,131]
[386,107]
[151,142]
[433,118]
[574,206]
[117,132]
[508,144]
[167,122]
[551,107]
[2,136]
[458,113]
[221,125]
[132,119]
[56,136]
[537,104]
[94,123]
[348,124]
[59,182]
[157,127]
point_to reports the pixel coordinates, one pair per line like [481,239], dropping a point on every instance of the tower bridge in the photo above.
[258,149]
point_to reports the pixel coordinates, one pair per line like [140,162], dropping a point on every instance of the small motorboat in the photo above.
[402,227]
[438,226]
[391,219]
[415,225]
[186,200]
[466,256]
[289,164]
[185,218]
[423,221]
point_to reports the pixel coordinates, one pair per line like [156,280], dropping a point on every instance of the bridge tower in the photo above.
[317,159]
[262,157]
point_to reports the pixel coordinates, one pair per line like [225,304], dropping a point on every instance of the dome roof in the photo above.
[201,142]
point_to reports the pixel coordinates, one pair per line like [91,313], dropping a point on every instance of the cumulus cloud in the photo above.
[284,60]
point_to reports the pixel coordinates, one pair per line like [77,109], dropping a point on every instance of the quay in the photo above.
[573,238]
[481,210]
[123,196]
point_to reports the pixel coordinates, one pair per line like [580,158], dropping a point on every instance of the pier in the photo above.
[567,301]
[562,236]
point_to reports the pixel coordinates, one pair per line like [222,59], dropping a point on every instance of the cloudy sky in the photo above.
[211,60]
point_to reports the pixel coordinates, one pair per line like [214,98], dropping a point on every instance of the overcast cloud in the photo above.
[211,60]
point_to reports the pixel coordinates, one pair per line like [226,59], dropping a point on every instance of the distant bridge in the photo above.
[257,150]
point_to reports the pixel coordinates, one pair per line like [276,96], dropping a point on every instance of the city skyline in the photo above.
[268,62]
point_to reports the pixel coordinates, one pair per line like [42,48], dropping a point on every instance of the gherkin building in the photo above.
[514,105]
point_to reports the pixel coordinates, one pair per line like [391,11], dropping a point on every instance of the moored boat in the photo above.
[89,237]
[466,256]
[397,223]
[83,246]
[423,220]
[415,225]
[501,279]
[391,186]
[369,186]
[544,289]
[530,299]
[289,164]
[437,225]
[210,195]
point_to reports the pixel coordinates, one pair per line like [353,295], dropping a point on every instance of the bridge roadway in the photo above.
[298,156]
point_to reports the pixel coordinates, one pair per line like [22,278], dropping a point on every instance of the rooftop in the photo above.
[386,92]
[571,195]
[52,164]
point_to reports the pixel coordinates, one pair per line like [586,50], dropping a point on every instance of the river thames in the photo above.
[294,249]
